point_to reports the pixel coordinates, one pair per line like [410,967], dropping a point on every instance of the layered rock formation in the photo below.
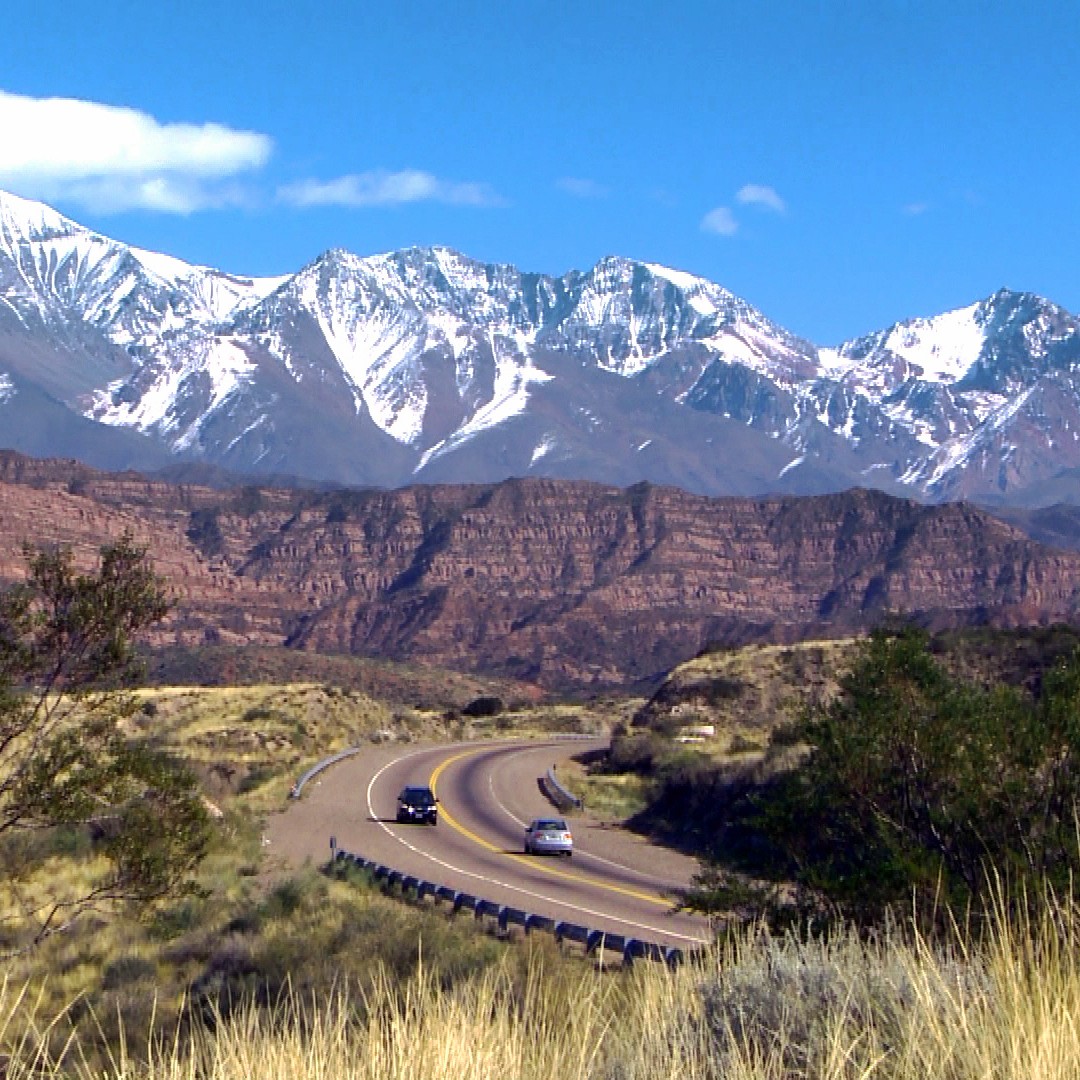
[559,581]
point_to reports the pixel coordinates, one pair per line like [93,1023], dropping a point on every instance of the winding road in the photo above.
[615,882]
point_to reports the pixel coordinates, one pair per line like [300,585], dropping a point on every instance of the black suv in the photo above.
[417,804]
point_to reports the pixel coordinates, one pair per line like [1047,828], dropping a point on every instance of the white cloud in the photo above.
[581,189]
[761,195]
[113,158]
[915,209]
[720,221]
[381,188]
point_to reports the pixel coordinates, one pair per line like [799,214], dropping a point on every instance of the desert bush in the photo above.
[284,899]
[260,712]
[740,744]
[916,789]
[127,969]
[787,734]
[69,772]
[170,921]
[636,753]
[485,706]
[718,689]
[256,778]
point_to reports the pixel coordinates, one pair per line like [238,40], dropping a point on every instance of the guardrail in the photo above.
[628,948]
[559,795]
[318,768]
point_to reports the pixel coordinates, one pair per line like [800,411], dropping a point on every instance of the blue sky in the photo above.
[839,165]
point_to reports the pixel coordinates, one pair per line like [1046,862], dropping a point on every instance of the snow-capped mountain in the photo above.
[51,268]
[427,365]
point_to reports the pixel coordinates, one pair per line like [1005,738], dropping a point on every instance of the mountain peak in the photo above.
[24,219]
[427,364]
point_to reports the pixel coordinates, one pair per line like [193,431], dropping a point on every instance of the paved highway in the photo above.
[488,792]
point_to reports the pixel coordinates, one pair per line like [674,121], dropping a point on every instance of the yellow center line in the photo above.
[550,870]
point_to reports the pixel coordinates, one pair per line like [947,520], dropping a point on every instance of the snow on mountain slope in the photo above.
[212,370]
[52,264]
[381,316]
[403,359]
[22,220]
[959,382]
[940,349]
[509,398]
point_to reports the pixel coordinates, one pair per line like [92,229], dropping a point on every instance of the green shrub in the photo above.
[256,778]
[285,899]
[918,788]
[718,689]
[482,707]
[259,712]
[127,970]
[176,919]
[740,744]
[787,734]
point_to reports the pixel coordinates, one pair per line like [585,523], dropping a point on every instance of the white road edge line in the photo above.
[589,855]
[495,881]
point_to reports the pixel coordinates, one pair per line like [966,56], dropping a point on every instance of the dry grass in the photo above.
[254,741]
[389,991]
[608,797]
[248,745]
[746,693]
[758,1008]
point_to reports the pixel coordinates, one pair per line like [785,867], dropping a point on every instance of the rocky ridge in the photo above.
[556,581]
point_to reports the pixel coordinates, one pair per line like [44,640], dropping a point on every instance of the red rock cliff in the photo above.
[554,580]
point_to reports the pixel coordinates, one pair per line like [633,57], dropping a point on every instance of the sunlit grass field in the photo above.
[897,1007]
[250,927]
[263,974]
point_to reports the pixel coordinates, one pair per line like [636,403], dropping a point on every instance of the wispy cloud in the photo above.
[582,189]
[720,221]
[761,195]
[111,158]
[915,209]
[382,188]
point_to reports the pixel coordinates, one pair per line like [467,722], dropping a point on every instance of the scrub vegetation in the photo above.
[73,782]
[895,1006]
[911,786]
[896,815]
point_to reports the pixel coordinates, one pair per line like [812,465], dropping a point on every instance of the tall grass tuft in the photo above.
[1005,1004]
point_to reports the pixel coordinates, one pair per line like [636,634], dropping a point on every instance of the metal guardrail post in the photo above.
[628,948]
[558,794]
[318,767]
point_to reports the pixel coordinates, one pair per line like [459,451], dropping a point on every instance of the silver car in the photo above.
[548,836]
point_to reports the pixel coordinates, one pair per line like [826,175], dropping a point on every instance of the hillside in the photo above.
[555,582]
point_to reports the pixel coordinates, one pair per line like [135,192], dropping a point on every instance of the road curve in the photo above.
[488,791]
